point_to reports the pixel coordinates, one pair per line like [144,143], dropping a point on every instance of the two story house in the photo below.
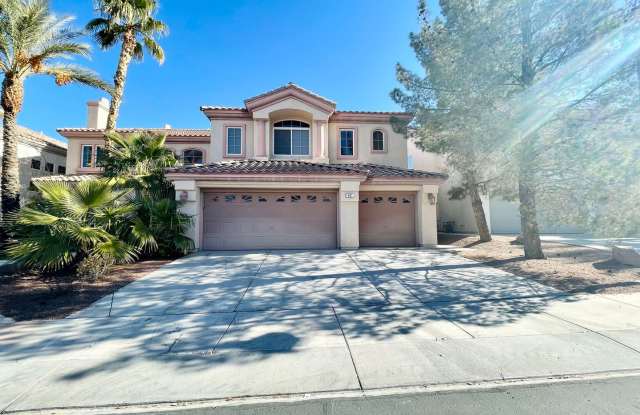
[289,171]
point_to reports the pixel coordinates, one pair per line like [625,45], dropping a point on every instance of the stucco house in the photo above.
[39,156]
[289,170]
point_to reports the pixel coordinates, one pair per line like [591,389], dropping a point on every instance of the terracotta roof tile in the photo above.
[174,132]
[63,178]
[289,85]
[266,167]
[302,167]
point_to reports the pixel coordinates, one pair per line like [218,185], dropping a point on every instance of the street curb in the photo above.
[325,402]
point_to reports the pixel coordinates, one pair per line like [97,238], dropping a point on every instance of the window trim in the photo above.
[39,160]
[290,156]
[384,141]
[339,154]
[202,150]
[92,161]
[242,142]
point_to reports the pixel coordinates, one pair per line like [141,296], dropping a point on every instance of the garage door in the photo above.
[269,220]
[387,219]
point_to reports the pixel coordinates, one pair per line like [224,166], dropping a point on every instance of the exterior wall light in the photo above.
[184,196]
[432,198]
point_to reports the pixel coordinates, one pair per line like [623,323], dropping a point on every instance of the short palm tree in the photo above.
[131,23]
[32,42]
[70,222]
[137,161]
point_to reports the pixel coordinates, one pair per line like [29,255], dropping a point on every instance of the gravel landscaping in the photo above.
[569,268]
[32,296]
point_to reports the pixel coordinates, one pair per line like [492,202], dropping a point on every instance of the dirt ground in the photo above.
[30,296]
[568,268]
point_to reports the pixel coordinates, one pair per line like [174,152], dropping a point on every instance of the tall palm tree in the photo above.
[32,40]
[131,23]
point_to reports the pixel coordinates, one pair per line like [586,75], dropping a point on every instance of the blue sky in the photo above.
[221,52]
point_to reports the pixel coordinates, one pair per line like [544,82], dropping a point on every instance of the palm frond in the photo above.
[66,74]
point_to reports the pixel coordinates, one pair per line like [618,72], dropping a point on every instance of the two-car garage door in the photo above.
[269,220]
[302,219]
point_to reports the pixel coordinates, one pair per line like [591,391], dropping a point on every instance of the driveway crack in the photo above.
[346,342]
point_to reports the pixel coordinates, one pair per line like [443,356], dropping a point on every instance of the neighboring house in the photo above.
[288,170]
[503,216]
[39,156]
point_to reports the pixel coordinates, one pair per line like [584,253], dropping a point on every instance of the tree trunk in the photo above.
[119,80]
[12,96]
[528,219]
[478,212]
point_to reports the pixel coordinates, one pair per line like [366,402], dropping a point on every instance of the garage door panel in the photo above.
[387,219]
[269,220]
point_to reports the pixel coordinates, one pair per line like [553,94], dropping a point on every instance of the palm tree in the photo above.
[137,161]
[32,39]
[70,222]
[131,23]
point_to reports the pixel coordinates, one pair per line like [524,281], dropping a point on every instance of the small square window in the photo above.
[215,199]
[312,198]
[262,199]
[62,170]
[295,198]
[247,198]
[229,198]
[326,199]
[405,200]
[393,199]
[48,167]
[35,164]
[378,199]
[280,199]
[364,200]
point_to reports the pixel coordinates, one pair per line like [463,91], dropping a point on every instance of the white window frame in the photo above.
[227,152]
[273,139]
[384,141]
[91,163]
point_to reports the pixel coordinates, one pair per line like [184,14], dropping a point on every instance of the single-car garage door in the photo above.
[269,220]
[387,219]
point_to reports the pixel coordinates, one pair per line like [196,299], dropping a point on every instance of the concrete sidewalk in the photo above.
[260,324]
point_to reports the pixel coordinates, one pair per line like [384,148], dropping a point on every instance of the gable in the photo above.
[288,92]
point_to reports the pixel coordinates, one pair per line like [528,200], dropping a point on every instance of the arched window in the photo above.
[377,139]
[291,138]
[192,156]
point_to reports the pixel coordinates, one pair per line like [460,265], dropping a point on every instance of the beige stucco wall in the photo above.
[74,153]
[396,144]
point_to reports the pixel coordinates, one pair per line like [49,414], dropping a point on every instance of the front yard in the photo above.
[31,296]
[568,268]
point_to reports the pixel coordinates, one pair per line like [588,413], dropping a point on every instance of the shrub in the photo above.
[93,267]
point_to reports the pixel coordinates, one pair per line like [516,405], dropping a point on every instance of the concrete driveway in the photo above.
[245,324]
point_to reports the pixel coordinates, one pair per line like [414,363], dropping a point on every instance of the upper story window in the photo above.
[291,138]
[87,155]
[62,170]
[91,155]
[192,156]
[35,164]
[48,167]
[377,141]
[234,141]
[347,143]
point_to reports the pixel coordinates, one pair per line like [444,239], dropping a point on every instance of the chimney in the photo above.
[97,112]
[167,126]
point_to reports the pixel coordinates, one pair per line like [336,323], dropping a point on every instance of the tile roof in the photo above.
[374,112]
[266,167]
[63,178]
[379,170]
[287,86]
[303,167]
[174,132]
[221,107]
